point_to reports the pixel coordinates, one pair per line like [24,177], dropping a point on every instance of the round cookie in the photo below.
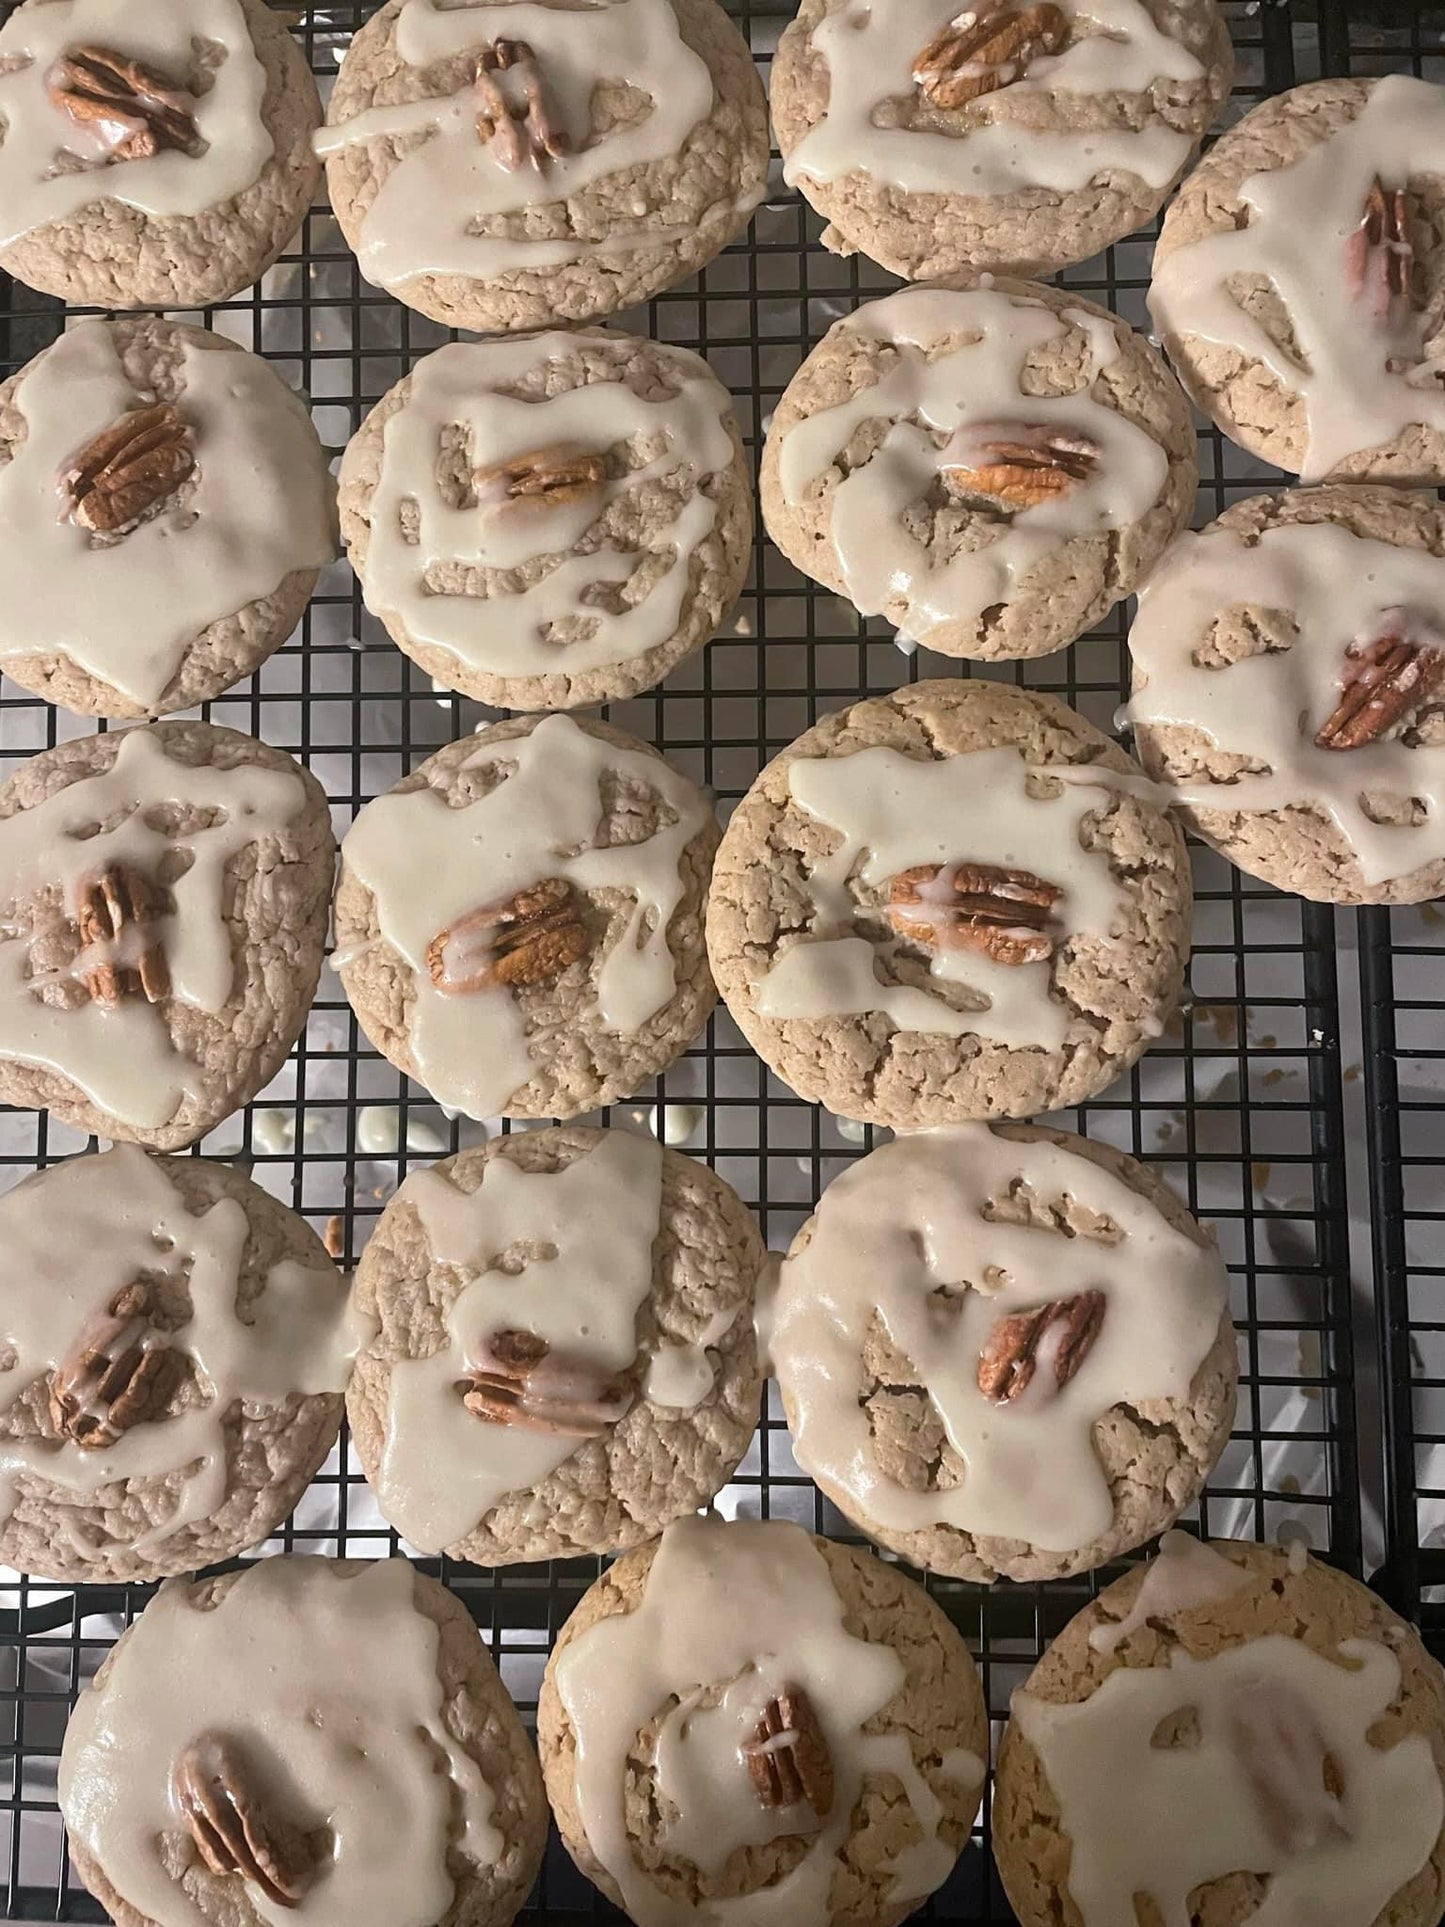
[1299,281]
[1232,1734]
[178,459]
[1019,138]
[179,1347]
[156,971]
[941,930]
[519,921]
[553,521]
[507,167]
[1004,1352]
[990,466]
[1289,687]
[167,168]
[347,1711]
[601,1382]
[744,1709]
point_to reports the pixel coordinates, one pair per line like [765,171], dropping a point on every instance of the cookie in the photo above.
[157,152]
[512,166]
[196,511]
[989,466]
[325,1726]
[1004,1352]
[950,902]
[1289,687]
[1022,139]
[155,971]
[519,921]
[553,521]
[1299,281]
[1233,1735]
[575,1398]
[744,1714]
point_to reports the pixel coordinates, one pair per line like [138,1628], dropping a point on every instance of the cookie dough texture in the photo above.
[697,201]
[1117,994]
[1075,584]
[657,1462]
[939,1708]
[630,523]
[580,1063]
[1301,849]
[274,902]
[114,256]
[1314,1604]
[1034,230]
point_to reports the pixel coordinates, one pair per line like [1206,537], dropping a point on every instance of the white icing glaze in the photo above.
[161,35]
[77,1234]
[1338,589]
[510,631]
[1187,1574]
[1164,1821]
[748,1607]
[680,1372]
[428,865]
[259,509]
[327,1682]
[1360,387]
[934,401]
[908,1221]
[870,50]
[122,1057]
[442,1470]
[894,812]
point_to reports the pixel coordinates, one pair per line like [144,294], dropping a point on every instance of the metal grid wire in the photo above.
[1240,1105]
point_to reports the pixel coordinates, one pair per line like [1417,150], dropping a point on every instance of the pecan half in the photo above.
[1379,256]
[544,478]
[1383,681]
[1064,1331]
[529,137]
[1003,913]
[521,1381]
[111,1379]
[121,952]
[134,111]
[985,49]
[228,1822]
[529,939]
[788,1758]
[128,469]
[1020,464]
[1275,1737]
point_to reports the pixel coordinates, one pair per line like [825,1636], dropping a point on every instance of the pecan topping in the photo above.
[529,939]
[230,1827]
[1062,1332]
[1020,464]
[133,111]
[115,918]
[530,137]
[1379,256]
[521,1381]
[1274,1735]
[788,1756]
[984,49]
[111,1379]
[1003,913]
[545,478]
[128,469]
[1383,682]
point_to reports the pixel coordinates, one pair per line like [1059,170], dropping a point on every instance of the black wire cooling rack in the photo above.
[1243,1105]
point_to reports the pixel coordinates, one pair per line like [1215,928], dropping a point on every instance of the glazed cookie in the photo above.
[508,166]
[1233,1735]
[990,467]
[519,921]
[1004,1352]
[1289,685]
[178,1347]
[550,522]
[1299,281]
[165,508]
[1023,138]
[156,970]
[745,1720]
[600,1382]
[324,1734]
[157,152]
[950,902]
